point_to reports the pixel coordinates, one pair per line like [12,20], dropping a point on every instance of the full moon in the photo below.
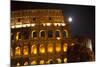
[70,19]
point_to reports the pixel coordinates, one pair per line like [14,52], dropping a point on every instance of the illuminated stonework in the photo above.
[39,36]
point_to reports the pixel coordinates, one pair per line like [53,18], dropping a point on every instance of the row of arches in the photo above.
[50,61]
[50,33]
[42,49]
[42,34]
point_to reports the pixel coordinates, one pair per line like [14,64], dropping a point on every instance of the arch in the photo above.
[63,24]
[65,34]
[26,63]
[25,50]
[72,44]
[42,48]
[50,47]
[59,60]
[34,34]
[42,33]
[42,62]
[17,51]
[58,47]
[65,60]
[18,64]
[25,34]
[50,34]
[33,62]
[18,35]
[48,24]
[50,61]
[33,49]
[57,33]
[57,24]
[65,46]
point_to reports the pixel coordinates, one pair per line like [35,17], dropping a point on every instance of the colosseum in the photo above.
[39,36]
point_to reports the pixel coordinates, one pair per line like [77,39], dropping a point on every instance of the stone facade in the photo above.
[39,36]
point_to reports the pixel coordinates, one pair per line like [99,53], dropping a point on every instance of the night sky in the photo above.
[83,23]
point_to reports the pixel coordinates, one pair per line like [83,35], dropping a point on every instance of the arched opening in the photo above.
[65,46]
[65,60]
[65,34]
[42,33]
[42,62]
[18,64]
[50,34]
[34,49]
[17,51]
[18,35]
[72,44]
[50,61]
[34,34]
[33,62]
[25,34]
[58,47]
[59,60]
[50,48]
[26,63]
[48,24]
[57,33]
[42,48]
[25,51]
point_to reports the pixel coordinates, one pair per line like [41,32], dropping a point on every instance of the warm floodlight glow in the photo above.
[50,48]
[42,62]
[65,47]
[70,19]
[48,24]
[33,62]
[18,64]
[42,48]
[32,25]
[24,25]
[25,51]
[72,44]
[26,63]
[65,60]
[63,24]
[44,24]
[28,25]
[17,51]
[58,47]
[59,60]
[34,49]
[12,26]
[55,24]
[59,24]
[18,26]
[58,38]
